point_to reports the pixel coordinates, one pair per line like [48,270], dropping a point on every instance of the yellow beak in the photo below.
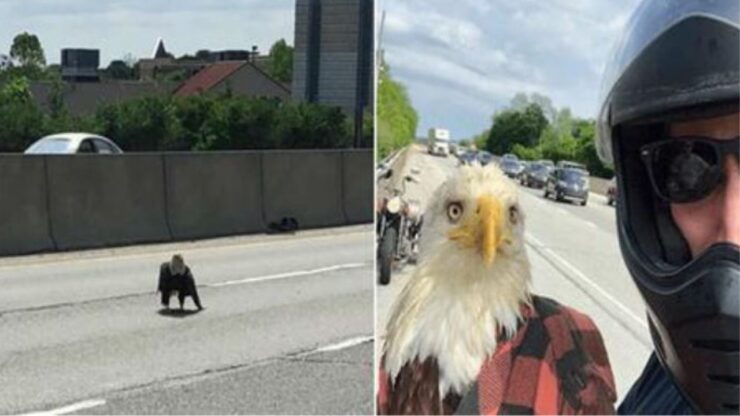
[482,229]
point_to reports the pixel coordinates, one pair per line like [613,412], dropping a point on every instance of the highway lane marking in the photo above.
[218,284]
[287,275]
[351,342]
[580,275]
[186,247]
[72,408]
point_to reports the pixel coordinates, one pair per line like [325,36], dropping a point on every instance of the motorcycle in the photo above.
[398,228]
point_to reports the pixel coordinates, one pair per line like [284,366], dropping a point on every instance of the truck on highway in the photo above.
[438,141]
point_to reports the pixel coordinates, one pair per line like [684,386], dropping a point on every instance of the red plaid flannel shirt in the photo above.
[556,363]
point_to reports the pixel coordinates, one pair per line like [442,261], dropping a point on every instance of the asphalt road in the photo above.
[287,329]
[575,259]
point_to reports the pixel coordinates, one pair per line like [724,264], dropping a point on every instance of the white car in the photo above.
[71,143]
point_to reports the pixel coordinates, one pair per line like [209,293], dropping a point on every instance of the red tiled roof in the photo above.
[208,77]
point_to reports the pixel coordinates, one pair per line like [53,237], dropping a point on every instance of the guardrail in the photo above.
[50,203]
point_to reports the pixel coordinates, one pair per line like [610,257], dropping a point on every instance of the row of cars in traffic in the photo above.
[563,181]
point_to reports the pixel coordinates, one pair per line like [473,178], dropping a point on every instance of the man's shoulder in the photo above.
[654,393]
[548,308]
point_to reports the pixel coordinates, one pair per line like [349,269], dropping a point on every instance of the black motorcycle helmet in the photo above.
[677,60]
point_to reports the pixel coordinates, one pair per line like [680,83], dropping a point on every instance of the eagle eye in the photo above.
[454,211]
[513,214]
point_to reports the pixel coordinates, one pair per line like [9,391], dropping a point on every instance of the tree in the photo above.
[119,69]
[397,119]
[21,121]
[203,54]
[280,61]
[5,62]
[27,51]
[512,127]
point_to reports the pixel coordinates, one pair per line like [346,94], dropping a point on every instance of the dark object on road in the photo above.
[611,192]
[567,183]
[177,313]
[175,276]
[286,225]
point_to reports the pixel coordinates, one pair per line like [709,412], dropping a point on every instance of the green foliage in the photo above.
[397,119]
[205,122]
[280,61]
[119,69]
[527,153]
[21,121]
[512,127]
[520,129]
[143,124]
[203,54]
[27,51]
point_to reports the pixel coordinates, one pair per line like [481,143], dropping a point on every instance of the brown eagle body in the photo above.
[416,392]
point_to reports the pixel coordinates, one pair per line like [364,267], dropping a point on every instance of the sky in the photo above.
[463,60]
[122,27]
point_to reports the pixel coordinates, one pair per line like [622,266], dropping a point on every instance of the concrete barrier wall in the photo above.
[305,185]
[24,222]
[86,201]
[98,201]
[214,194]
[358,186]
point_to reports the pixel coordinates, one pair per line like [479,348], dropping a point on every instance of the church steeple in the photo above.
[159,50]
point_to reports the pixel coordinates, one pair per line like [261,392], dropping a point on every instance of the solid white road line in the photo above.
[286,275]
[351,342]
[577,273]
[72,408]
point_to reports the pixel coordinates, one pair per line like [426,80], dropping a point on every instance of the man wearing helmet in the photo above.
[669,124]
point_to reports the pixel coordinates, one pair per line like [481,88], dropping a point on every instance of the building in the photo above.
[239,77]
[80,65]
[84,98]
[333,56]
[162,62]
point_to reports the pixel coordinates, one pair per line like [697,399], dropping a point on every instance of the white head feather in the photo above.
[456,302]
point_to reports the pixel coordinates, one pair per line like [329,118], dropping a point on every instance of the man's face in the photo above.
[715,218]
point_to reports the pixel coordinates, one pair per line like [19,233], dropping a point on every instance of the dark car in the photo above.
[548,163]
[511,168]
[566,164]
[484,157]
[611,192]
[568,184]
[468,157]
[534,176]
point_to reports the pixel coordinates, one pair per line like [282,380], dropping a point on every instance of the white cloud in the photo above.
[483,52]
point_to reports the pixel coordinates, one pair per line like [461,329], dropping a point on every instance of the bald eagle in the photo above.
[467,324]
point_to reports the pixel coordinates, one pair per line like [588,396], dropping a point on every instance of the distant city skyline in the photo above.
[119,28]
[463,60]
